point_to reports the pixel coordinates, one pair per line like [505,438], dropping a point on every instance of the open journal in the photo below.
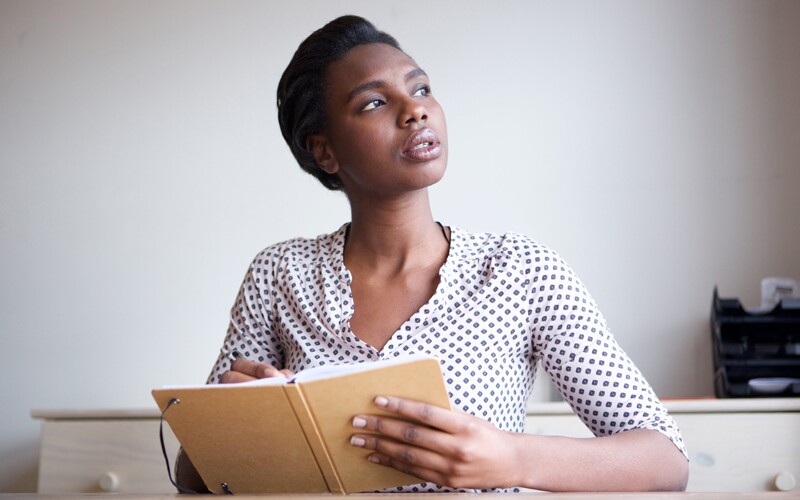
[293,435]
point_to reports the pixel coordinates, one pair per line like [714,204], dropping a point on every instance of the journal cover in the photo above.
[293,435]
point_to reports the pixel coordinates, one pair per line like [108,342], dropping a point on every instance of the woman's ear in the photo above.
[319,146]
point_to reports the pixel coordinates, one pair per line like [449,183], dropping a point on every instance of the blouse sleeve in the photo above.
[592,373]
[250,332]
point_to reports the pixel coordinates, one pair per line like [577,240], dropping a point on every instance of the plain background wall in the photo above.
[655,145]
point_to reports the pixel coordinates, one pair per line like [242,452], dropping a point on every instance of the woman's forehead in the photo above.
[368,62]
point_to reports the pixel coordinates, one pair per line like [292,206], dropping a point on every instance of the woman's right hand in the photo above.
[244,370]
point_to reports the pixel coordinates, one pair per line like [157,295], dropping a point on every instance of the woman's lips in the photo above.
[423,145]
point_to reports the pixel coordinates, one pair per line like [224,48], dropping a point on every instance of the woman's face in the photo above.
[385,132]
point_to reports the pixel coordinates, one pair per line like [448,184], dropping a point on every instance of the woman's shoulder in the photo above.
[303,250]
[513,245]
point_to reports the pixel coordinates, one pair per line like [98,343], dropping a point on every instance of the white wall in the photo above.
[656,145]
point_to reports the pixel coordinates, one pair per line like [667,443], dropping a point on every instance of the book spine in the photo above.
[303,414]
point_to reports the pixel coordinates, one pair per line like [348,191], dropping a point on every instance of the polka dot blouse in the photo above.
[503,304]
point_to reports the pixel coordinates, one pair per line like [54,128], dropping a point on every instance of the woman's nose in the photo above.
[413,110]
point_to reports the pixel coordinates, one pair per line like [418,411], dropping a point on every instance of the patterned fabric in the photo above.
[503,304]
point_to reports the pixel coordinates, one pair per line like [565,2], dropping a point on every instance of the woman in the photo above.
[358,114]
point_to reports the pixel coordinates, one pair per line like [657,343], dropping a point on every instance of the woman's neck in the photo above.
[394,236]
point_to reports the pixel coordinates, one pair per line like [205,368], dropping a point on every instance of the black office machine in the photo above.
[756,354]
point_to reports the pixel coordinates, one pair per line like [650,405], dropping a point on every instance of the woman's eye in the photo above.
[422,91]
[375,103]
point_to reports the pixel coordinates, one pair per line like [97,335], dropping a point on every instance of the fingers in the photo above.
[231,377]
[401,431]
[434,429]
[407,458]
[426,474]
[256,370]
[244,370]
[432,416]
[435,444]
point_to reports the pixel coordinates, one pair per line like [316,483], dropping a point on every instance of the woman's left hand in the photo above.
[441,446]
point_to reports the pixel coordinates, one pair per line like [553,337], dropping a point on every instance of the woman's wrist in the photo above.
[527,463]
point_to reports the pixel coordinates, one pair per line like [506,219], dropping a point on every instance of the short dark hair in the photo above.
[301,90]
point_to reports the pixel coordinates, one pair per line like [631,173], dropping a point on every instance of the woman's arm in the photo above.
[634,460]
[463,451]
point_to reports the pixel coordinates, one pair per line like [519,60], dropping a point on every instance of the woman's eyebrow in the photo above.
[376,84]
[414,73]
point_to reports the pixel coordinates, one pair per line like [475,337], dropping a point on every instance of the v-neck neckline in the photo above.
[418,321]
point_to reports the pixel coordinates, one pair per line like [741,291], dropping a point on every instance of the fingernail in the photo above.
[374,459]
[381,401]
[359,422]
[357,441]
